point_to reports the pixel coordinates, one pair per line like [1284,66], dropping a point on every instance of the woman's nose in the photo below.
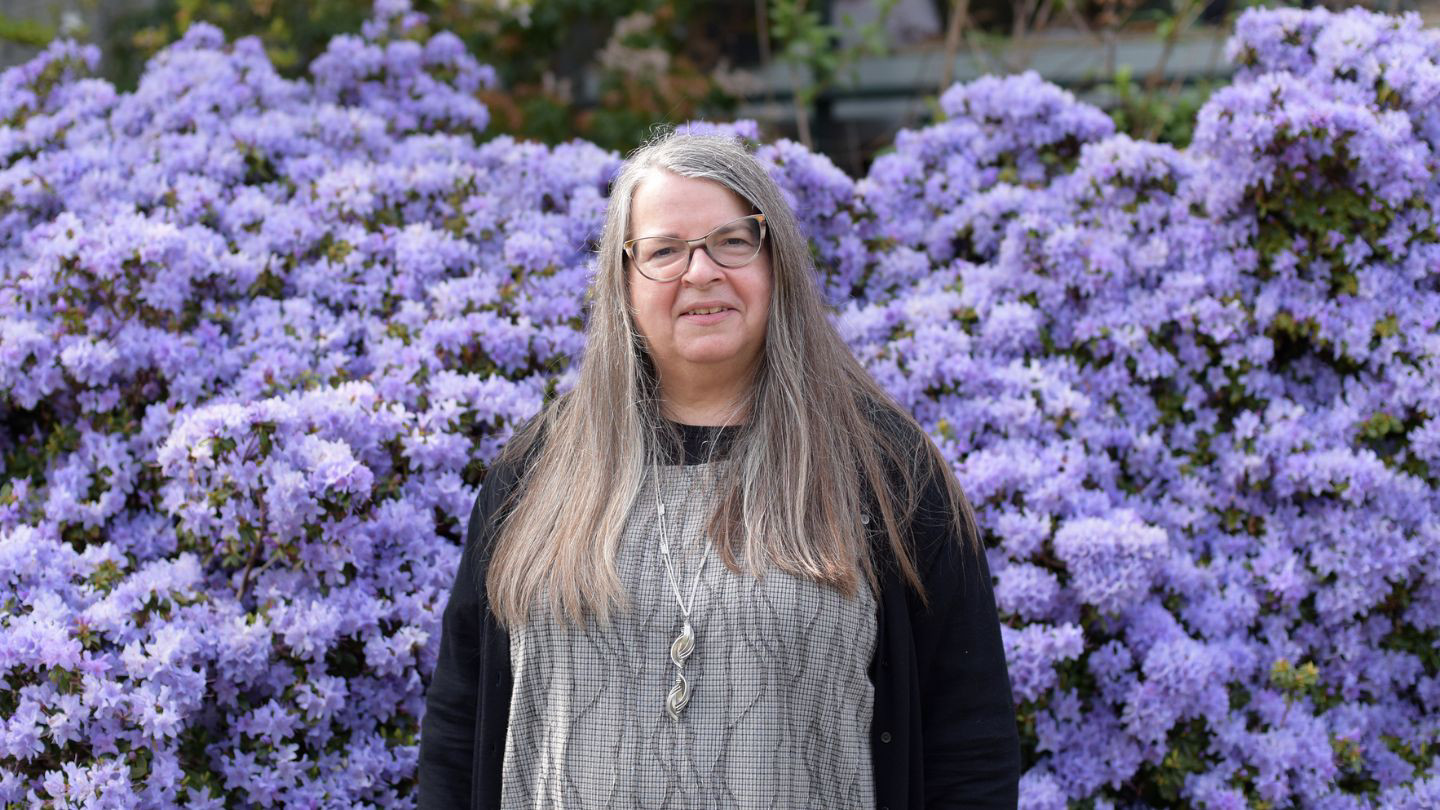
[702,269]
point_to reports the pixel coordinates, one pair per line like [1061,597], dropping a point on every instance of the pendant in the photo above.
[683,645]
[679,696]
[680,649]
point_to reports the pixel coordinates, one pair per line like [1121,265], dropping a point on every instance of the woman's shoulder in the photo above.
[910,480]
[526,443]
[934,510]
[504,476]
[906,442]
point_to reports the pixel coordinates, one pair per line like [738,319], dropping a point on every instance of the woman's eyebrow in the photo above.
[672,234]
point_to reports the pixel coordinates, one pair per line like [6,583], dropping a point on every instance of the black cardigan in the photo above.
[942,734]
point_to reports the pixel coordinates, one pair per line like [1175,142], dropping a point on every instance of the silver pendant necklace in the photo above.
[684,644]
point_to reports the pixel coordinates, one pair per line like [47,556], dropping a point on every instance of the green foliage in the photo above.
[1298,212]
[540,51]
[1163,115]
[1295,682]
[814,51]
[293,33]
[105,575]
[808,42]
[652,72]
[1160,785]
[25,32]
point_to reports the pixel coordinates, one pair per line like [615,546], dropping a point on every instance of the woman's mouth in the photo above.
[706,315]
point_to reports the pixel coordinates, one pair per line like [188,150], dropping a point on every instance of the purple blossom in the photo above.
[1034,650]
[1112,561]
[1027,591]
[259,339]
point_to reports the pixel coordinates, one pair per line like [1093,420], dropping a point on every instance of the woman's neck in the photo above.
[703,410]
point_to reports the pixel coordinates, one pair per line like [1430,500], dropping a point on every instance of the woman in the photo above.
[842,647]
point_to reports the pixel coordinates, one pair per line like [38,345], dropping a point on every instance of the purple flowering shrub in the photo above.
[1193,397]
[260,338]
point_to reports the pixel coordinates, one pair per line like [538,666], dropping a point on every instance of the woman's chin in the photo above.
[714,354]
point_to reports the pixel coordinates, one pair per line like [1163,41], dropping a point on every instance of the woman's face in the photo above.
[712,350]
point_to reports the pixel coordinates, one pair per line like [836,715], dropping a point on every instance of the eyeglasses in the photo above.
[666,258]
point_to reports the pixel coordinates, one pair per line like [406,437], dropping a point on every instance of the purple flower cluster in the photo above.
[1192,396]
[259,339]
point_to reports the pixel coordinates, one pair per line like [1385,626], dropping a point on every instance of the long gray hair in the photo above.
[819,432]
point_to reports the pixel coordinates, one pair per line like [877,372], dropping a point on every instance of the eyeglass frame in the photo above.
[628,248]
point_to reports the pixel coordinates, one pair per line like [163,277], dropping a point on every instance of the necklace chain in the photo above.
[669,564]
[684,644]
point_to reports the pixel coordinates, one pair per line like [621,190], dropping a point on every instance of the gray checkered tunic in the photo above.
[779,715]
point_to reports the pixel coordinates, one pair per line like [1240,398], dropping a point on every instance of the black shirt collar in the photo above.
[696,441]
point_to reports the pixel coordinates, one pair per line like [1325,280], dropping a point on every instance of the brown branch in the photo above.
[1191,10]
[762,29]
[1019,31]
[959,16]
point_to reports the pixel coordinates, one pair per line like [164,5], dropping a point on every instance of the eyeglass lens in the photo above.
[730,245]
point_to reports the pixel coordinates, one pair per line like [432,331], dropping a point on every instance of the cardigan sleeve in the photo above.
[448,730]
[971,744]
